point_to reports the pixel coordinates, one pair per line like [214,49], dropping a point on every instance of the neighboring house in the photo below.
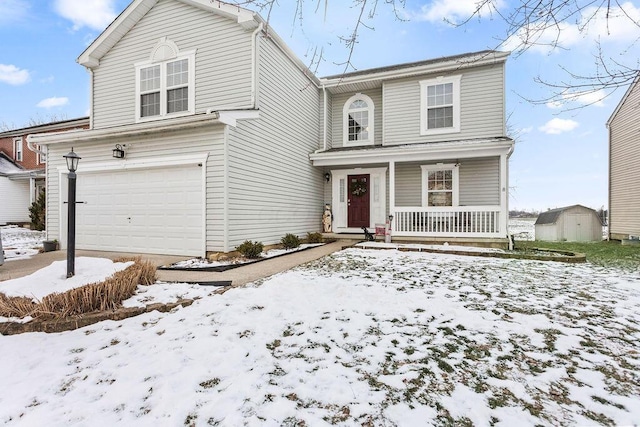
[23,172]
[624,158]
[228,137]
[572,224]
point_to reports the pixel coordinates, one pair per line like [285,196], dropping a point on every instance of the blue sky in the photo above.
[561,151]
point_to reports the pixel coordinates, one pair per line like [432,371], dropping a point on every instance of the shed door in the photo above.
[158,210]
[577,227]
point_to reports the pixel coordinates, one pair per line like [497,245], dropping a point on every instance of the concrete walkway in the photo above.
[239,276]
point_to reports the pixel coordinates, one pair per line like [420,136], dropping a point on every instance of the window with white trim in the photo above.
[42,155]
[440,185]
[165,83]
[358,120]
[440,105]
[17,149]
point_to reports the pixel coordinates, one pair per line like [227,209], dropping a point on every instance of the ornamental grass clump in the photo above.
[290,241]
[250,249]
[106,295]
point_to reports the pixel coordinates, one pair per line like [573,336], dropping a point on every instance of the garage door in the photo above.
[156,210]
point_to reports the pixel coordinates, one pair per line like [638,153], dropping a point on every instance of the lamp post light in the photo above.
[72,164]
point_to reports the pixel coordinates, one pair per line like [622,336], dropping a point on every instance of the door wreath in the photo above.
[358,188]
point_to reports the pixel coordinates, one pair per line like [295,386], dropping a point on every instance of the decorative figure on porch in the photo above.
[327,217]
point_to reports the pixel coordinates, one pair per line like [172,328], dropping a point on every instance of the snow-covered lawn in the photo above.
[20,243]
[361,337]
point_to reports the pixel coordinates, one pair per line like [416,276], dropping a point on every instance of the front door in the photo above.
[358,201]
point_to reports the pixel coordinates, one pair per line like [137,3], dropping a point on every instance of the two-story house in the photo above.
[227,137]
[22,176]
[624,156]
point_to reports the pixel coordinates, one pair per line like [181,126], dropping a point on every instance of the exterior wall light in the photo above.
[118,152]
[327,176]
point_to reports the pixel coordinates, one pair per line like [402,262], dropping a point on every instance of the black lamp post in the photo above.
[72,164]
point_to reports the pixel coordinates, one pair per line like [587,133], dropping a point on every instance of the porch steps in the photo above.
[480,242]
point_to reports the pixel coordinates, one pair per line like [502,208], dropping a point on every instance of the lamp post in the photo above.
[72,164]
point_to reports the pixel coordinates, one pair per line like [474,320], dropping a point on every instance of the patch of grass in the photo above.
[605,253]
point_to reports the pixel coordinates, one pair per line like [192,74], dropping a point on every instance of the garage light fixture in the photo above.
[118,152]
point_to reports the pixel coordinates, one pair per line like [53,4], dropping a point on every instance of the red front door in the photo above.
[358,201]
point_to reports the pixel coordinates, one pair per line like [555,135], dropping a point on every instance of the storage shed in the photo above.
[575,223]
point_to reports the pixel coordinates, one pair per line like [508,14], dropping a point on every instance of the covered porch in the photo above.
[448,191]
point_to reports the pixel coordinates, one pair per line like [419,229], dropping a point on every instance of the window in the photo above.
[440,185]
[42,156]
[17,149]
[358,120]
[440,105]
[165,83]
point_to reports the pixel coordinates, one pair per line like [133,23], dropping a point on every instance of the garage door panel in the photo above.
[143,210]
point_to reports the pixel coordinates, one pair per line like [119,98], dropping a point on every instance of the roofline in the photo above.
[407,152]
[114,31]
[624,98]
[86,135]
[46,127]
[448,63]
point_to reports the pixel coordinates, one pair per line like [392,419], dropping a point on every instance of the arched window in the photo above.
[358,120]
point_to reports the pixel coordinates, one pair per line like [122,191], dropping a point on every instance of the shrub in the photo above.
[250,249]
[314,237]
[107,295]
[290,241]
[37,212]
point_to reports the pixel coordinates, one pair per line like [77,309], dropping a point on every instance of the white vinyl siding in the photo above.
[151,147]
[481,107]
[624,180]
[222,68]
[273,188]
[479,183]
[337,116]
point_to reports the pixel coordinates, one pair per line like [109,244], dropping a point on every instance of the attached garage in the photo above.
[141,210]
[572,224]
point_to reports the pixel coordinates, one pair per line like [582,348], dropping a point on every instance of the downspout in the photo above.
[255,57]
[324,118]
[32,147]
[90,97]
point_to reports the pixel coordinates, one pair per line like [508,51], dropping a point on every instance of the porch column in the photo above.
[392,191]
[32,190]
[504,194]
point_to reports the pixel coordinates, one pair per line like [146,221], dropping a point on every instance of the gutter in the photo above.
[255,59]
[324,120]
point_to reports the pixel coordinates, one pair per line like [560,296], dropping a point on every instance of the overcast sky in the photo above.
[561,152]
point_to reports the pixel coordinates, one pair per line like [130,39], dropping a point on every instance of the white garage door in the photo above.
[156,210]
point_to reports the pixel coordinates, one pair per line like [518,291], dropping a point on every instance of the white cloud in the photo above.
[95,14]
[53,102]
[557,126]
[528,129]
[13,75]
[12,11]
[453,10]
[595,98]
[554,105]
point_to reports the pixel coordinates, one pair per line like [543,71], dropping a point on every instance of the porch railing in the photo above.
[458,221]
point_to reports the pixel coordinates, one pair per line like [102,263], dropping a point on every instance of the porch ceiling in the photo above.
[414,152]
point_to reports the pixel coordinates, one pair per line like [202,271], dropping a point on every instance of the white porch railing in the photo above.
[457,221]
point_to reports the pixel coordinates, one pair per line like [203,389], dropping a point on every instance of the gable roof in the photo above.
[137,9]
[624,98]
[551,216]
[8,166]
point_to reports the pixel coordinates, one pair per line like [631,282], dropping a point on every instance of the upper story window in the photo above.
[440,105]
[440,185]
[165,85]
[42,156]
[17,149]
[358,120]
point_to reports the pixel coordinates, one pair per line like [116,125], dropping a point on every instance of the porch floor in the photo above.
[480,242]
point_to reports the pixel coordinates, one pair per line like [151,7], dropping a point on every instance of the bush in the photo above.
[290,241]
[37,212]
[102,296]
[314,237]
[250,249]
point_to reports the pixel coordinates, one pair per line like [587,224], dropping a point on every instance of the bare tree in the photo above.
[529,24]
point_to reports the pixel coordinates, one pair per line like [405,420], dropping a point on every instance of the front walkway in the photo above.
[238,276]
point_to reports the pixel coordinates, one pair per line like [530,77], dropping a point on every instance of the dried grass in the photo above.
[103,296]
